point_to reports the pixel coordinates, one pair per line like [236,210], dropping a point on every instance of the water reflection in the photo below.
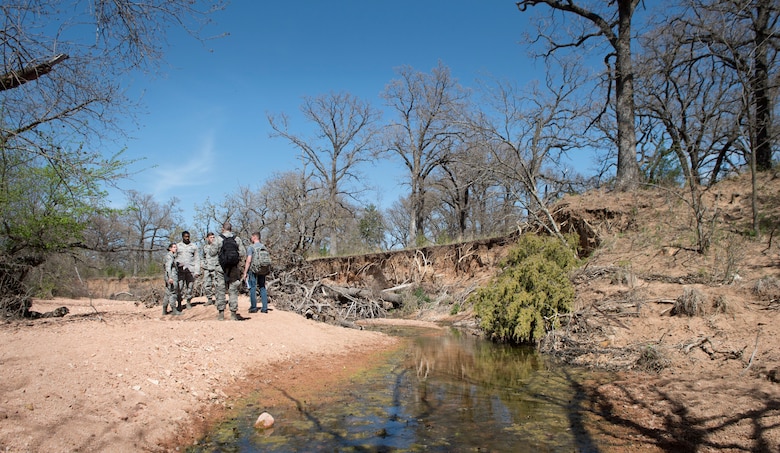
[446,391]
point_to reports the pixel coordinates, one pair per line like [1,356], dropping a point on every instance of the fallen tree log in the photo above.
[364,293]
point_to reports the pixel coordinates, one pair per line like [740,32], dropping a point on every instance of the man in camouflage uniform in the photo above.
[230,278]
[188,260]
[209,266]
[171,277]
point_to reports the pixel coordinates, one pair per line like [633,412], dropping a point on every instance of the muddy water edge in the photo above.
[443,390]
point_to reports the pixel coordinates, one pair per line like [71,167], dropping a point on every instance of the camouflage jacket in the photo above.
[187,257]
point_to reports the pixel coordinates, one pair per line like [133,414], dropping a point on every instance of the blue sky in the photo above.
[204,130]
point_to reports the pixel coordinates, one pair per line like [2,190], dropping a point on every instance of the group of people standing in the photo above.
[183,265]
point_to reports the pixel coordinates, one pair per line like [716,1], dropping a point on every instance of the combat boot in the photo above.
[165,310]
[234,316]
[210,302]
[189,305]
[221,315]
[175,312]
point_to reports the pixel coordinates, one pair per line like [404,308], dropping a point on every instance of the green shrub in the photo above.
[421,296]
[112,271]
[523,302]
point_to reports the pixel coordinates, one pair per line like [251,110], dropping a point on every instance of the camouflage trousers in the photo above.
[210,278]
[170,297]
[231,280]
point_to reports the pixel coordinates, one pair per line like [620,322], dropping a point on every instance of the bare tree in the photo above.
[208,217]
[344,140]
[293,220]
[613,23]
[492,203]
[744,35]
[246,209]
[693,97]
[398,217]
[238,208]
[456,186]
[150,227]
[423,133]
[77,99]
[106,243]
[528,131]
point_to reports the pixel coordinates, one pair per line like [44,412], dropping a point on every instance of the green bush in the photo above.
[421,296]
[523,302]
[114,271]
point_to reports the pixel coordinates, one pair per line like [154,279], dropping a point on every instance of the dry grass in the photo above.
[767,289]
[690,303]
[721,305]
[652,359]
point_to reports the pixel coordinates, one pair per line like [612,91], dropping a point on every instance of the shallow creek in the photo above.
[445,391]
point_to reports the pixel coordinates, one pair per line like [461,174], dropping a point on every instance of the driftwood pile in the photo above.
[343,290]
[15,300]
[321,299]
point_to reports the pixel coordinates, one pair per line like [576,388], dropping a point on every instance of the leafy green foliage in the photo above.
[46,202]
[663,169]
[45,207]
[372,227]
[414,300]
[523,302]
[421,296]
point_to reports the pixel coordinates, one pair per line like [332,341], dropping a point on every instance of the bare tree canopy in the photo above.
[425,129]
[83,48]
[613,23]
[345,140]
[528,132]
[745,36]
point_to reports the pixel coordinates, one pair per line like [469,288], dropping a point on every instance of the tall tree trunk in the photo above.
[334,223]
[417,225]
[760,82]
[627,176]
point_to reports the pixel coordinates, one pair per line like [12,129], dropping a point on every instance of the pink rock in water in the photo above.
[264,421]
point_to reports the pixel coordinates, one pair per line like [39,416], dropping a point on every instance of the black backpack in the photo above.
[228,253]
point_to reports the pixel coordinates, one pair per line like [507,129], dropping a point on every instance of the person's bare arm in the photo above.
[246,266]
